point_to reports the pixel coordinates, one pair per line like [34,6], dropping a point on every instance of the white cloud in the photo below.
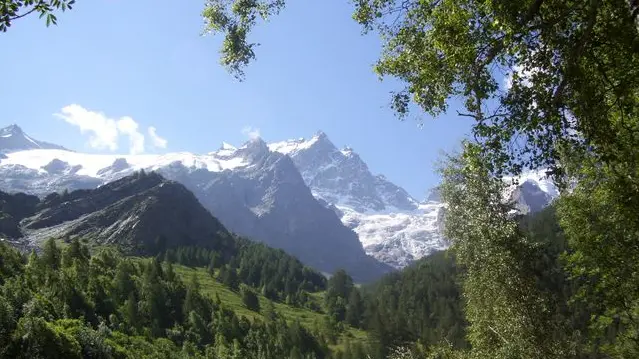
[104,132]
[156,139]
[251,132]
[128,127]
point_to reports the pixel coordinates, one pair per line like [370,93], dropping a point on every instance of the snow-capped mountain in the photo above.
[532,191]
[12,138]
[342,178]
[392,226]
[306,196]
[253,191]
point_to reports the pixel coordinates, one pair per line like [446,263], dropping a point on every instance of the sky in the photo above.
[119,76]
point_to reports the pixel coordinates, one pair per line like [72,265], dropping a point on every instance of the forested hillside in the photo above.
[67,303]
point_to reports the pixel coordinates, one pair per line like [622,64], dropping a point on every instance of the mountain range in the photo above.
[306,196]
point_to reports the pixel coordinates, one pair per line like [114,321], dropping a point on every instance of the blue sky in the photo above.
[143,63]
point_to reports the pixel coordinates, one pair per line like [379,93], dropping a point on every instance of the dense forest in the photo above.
[67,303]
[276,274]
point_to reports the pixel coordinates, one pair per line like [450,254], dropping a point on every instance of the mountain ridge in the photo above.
[306,196]
[255,192]
[133,212]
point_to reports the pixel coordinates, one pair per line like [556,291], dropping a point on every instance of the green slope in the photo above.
[308,318]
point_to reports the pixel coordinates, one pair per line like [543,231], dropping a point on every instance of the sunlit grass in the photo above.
[308,318]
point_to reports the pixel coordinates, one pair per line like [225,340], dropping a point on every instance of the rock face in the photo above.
[269,201]
[132,212]
[341,177]
[14,208]
[254,192]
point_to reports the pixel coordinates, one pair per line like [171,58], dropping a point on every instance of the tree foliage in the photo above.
[11,10]
[70,304]
[509,314]
[249,298]
[421,304]
[599,219]
[277,274]
[235,19]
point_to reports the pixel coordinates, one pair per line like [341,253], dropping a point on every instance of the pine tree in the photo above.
[354,308]
[123,281]
[130,314]
[51,254]
[231,278]
[7,322]
[295,353]
[192,297]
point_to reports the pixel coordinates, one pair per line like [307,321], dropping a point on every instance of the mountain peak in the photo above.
[320,134]
[129,212]
[255,142]
[320,140]
[253,149]
[227,146]
[11,130]
[13,138]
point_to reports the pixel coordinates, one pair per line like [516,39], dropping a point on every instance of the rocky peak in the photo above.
[253,150]
[320,134]
[57,166]
[13,138]
[341,176]
[11,130]
[227,146]
[320,141]
[131,212]
[119,164]
[528,197]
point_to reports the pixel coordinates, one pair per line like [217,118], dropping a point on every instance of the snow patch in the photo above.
[227,146]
